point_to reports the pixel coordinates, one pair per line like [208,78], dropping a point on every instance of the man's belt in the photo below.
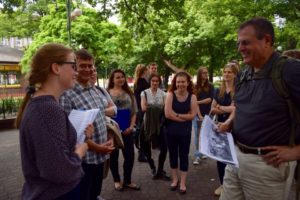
[253,150]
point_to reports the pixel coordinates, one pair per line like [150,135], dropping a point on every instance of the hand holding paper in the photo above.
[80,120]
[215,145]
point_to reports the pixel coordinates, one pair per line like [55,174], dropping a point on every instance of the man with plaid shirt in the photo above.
[83,97]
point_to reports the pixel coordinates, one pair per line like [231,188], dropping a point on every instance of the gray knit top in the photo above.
[47,142]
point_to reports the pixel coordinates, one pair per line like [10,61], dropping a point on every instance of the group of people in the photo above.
[247,104]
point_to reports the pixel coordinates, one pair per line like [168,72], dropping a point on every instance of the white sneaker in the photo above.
[203,157]
[197,161]
[219,190]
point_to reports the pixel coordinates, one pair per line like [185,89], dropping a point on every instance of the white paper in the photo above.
[80,119]
[218,146]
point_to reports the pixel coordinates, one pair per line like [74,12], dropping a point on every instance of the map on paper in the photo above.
[218,146]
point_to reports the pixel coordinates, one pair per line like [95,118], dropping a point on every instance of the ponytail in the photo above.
[40,69]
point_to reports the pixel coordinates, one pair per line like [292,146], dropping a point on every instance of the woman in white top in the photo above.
[152,134]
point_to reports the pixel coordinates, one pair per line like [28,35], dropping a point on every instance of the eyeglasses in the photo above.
[73,64]
[243,43]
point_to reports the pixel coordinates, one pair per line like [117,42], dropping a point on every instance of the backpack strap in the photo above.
[100,89]
[283,91]
[243,76]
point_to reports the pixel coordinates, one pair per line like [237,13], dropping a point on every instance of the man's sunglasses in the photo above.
[73,64]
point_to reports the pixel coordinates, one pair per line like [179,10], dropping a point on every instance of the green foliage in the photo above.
[21,18]
[9,106]
[107,42]
[189,33]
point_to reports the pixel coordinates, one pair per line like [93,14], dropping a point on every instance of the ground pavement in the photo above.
[201,182]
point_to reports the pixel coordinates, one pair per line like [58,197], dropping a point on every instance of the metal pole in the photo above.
[69,21]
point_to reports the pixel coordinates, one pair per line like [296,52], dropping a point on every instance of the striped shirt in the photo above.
[85,98]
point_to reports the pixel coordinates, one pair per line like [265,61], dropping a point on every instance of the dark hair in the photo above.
[293,53]
[83,54]
[190,87]
[200,87]
[261,26]
[40,69]
[111,84]
[153,76]
[151,64]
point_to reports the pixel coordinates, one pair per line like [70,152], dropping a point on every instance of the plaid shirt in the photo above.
[84,98]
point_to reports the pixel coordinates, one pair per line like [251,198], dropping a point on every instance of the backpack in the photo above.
[281,88]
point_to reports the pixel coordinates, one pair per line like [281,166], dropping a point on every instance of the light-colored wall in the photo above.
[15,42]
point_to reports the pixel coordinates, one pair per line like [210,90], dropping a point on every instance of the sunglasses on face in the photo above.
[73,64]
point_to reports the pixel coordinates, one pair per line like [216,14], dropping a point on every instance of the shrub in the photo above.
[10,106]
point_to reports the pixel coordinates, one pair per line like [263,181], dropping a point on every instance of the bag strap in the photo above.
[101,90]
[283,91]
[145,95]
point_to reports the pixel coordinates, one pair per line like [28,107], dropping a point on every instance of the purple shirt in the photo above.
[47,143]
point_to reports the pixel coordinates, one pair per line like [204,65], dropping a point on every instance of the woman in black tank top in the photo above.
[180,109]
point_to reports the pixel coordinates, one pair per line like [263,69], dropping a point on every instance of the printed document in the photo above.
[218,146]
[80,119]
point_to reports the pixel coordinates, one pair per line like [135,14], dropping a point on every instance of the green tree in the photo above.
[103,39]
[192,33]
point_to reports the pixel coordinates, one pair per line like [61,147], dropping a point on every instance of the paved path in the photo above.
[202,179]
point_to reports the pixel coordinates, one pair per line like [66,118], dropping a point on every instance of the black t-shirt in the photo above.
[225,101]
[262,116]
[205,108]
[142,84]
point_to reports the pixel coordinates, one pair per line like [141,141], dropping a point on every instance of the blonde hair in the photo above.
[235,69]
[139,71]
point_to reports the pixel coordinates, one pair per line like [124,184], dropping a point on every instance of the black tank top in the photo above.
[181,108]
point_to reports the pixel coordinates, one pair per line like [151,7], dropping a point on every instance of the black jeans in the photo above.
[163,150]
[91,183]
[128,154]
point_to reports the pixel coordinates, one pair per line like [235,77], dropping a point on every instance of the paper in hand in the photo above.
[80,119]
[218,146]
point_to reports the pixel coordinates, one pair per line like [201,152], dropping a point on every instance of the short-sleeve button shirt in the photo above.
[84,98]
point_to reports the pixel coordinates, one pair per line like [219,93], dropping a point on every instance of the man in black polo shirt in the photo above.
[261,119]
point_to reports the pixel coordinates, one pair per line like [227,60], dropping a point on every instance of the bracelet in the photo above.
[177,115]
